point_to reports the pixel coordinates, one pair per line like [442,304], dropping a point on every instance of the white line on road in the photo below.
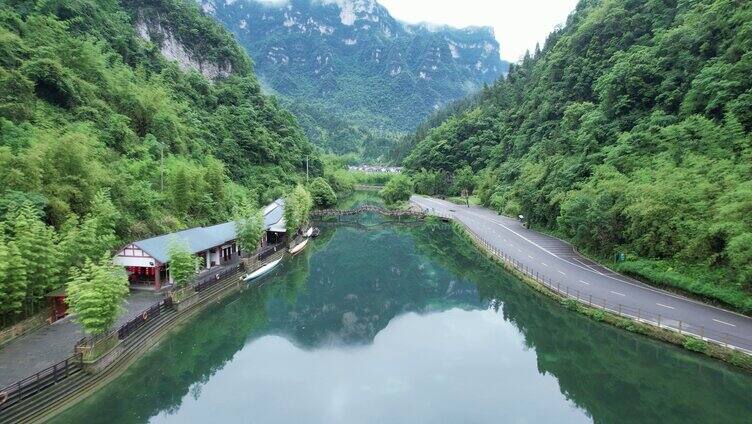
[530,256]
[562,273]
[723,322]
[584,282]
[486,217]
[665,306]
[544,264]
[519,250]
[620,294]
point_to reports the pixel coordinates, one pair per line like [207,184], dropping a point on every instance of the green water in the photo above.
[405,324]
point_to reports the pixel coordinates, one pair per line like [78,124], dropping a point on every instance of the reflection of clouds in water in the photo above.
[453,366]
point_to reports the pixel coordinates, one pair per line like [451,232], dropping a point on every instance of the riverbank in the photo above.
[623,320]
[54,399]
[695,281]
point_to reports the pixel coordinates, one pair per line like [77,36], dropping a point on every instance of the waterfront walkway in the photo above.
[556,261]
[51,344]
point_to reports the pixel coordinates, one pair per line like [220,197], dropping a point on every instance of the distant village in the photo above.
[375,168]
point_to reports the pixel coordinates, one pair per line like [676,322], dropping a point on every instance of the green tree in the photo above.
[15,281]
[464,182]
[398,189]
[322,193]
[183,264]
[95,294]
[249,222]
[37,252]
[298,204]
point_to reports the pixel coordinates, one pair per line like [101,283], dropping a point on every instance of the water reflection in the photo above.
[392,324]
[452,366]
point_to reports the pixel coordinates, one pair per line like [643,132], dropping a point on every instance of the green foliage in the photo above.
[372,178]
[298,204]
[183,264]
[249,222]
[95,293]
[464,181]
[695,345]
[359,98]
[322,193]
[398,189]
[431,183]
[87,106]
[629,131]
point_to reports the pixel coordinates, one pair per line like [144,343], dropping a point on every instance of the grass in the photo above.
[100,348]
[693,279]
[474,200]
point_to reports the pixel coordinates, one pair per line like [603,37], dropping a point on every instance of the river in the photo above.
[388,323]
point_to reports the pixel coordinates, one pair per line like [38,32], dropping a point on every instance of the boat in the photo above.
[308,233]
[262,271]
[299,247]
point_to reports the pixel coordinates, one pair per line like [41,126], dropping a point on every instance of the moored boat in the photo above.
[262,271]
[299,247]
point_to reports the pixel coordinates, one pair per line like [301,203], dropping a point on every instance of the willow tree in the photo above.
[95,294]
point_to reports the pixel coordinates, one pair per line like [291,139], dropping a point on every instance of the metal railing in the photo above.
[636,314]
[34,384]
[63,369]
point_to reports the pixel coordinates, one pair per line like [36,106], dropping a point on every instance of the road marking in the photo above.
[723,322]
[620,294]
[530,256]
[562,273]
[544,264]
[584,282]
[665,306]
[621,280]
[519,250]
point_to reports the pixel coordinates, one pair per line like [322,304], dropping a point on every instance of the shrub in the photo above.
[322,193]
[695,345]
[398,189]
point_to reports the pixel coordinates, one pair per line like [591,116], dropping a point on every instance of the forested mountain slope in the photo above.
[87,104]
[630,131]
[122,119]
[350,59]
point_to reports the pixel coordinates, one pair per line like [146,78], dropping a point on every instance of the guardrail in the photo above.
[34,384]
[637,314]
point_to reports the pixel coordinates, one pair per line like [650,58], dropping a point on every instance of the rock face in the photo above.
[355,60]
[169,45]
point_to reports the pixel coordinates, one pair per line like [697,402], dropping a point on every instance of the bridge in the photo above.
[399,213]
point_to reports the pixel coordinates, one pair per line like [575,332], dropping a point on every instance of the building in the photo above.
[147,261]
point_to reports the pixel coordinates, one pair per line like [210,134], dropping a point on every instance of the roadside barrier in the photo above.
[636,314]
[206,287]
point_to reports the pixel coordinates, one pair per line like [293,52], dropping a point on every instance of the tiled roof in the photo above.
[203,238]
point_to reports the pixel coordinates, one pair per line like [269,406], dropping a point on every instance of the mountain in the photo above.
[630,132]
[352,60]
[151,104]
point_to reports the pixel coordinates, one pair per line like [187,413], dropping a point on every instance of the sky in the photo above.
[518,24]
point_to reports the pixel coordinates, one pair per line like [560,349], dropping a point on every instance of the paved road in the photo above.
[556,260]
[51,344]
